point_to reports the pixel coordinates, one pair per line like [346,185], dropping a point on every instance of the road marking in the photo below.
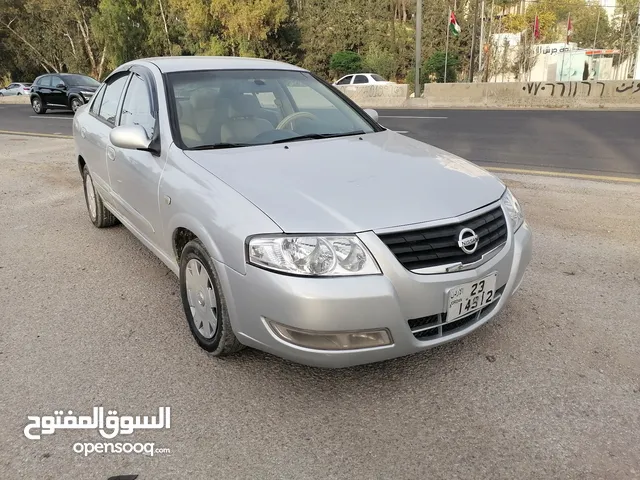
[31,134]
[404,116]
[48,117]
[581,176]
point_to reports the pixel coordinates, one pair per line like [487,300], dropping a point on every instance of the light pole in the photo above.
[418,46]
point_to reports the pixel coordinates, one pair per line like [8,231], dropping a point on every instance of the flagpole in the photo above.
[565,52]
[446,50]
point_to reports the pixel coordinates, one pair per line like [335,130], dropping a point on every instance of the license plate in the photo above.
[470,297]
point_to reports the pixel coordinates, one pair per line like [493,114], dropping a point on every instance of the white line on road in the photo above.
[406,116]
[46,117]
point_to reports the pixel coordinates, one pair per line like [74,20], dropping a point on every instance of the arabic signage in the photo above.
[108,427]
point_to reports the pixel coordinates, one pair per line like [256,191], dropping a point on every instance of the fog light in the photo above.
[332,340]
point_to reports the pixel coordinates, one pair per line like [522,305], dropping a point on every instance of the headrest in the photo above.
[203,100]
[243,106]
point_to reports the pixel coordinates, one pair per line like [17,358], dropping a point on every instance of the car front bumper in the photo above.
[385,301]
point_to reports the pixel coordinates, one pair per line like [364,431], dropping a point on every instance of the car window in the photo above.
[81,81]
[378,78]
[345,80]
[11,85]
[243,113]
[136,108]
[111,98]
[46,81]
[97,100]
[361,79]
[55,81]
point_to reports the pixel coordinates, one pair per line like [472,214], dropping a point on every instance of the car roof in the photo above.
[194,63]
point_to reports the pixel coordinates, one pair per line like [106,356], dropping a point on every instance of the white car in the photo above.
[15,89]
[363,79]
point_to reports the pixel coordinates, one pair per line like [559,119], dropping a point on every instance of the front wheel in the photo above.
[204,303]
[76,103]
[38,106]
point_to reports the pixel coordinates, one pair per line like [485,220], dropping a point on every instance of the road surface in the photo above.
[584,142]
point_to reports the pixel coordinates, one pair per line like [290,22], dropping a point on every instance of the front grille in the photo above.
[436,326]
[435,246]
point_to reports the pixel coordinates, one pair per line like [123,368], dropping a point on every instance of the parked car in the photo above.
[15,89]
[61,91]
[363,79]
[295,223]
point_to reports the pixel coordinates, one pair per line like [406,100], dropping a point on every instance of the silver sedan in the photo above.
[296,223]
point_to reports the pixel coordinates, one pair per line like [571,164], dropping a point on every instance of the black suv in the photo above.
[61,91]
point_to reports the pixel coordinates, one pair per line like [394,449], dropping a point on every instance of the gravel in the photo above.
[550,389]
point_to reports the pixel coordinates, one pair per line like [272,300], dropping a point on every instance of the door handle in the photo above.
[83,132]
[111,153]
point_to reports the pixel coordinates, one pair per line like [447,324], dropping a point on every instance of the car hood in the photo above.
[352,184]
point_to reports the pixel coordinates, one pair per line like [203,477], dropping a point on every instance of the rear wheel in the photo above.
[38,106]
[100,216]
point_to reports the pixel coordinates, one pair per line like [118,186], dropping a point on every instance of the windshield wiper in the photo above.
[317,136]
[214,146]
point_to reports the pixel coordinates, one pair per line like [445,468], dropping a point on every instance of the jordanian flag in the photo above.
[453,25]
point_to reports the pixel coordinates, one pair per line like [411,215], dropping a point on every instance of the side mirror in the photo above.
[132,137]
[372,113]
[61,86]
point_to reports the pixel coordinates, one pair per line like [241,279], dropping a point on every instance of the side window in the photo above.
[55,81]
[267,99]
[45,81]
[11,85]
[345,80]
[111,98]
[97,100]
[136,109]
[306,97]
[361,79]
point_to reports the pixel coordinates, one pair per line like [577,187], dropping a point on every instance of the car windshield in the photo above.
[238,108]
[81,81]
[378,78]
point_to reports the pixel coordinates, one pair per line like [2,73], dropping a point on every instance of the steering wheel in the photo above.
[289,119]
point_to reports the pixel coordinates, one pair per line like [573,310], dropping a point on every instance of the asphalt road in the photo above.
[584,142]
[549,389]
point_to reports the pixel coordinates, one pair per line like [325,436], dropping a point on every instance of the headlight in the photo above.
[312,255]
[513,210]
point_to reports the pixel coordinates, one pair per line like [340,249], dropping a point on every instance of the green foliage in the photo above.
[345,62]
[381,61]
[433,69]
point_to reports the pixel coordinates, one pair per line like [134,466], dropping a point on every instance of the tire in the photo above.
[76,103]
[197,287]
[99,215]
[18,94]
[38,106]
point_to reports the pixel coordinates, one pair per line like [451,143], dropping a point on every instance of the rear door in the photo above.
[44,88]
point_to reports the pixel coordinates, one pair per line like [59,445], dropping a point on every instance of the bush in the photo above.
[380,61]
[433,68]
[343,63]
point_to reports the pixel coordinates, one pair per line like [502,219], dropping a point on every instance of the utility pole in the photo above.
[418,46]
[636,76]
[473,38]
[481,50]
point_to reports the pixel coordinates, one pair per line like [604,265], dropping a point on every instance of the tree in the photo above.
[343,63]
[435,67]
[381,61]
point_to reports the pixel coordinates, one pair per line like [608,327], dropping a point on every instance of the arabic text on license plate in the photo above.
[469,297]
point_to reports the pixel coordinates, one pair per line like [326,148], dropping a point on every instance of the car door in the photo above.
[44,89]
[95,127]
[58,91]
[135,174]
